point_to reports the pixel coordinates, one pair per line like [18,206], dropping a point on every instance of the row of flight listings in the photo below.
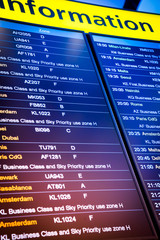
[65,172]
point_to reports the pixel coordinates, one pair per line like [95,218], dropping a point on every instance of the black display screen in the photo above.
[131,69]
[64,173]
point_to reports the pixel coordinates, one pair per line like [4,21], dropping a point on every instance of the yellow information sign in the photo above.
[84,17]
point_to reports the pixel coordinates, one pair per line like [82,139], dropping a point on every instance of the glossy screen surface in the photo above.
[64,173]
[131,69]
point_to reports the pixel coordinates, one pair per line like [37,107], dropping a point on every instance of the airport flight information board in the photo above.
[63,171]
[131,69]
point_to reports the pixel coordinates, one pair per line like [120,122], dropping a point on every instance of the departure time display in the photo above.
[64,173]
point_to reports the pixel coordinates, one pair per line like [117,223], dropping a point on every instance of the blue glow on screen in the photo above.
[42,30]
[126,42]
